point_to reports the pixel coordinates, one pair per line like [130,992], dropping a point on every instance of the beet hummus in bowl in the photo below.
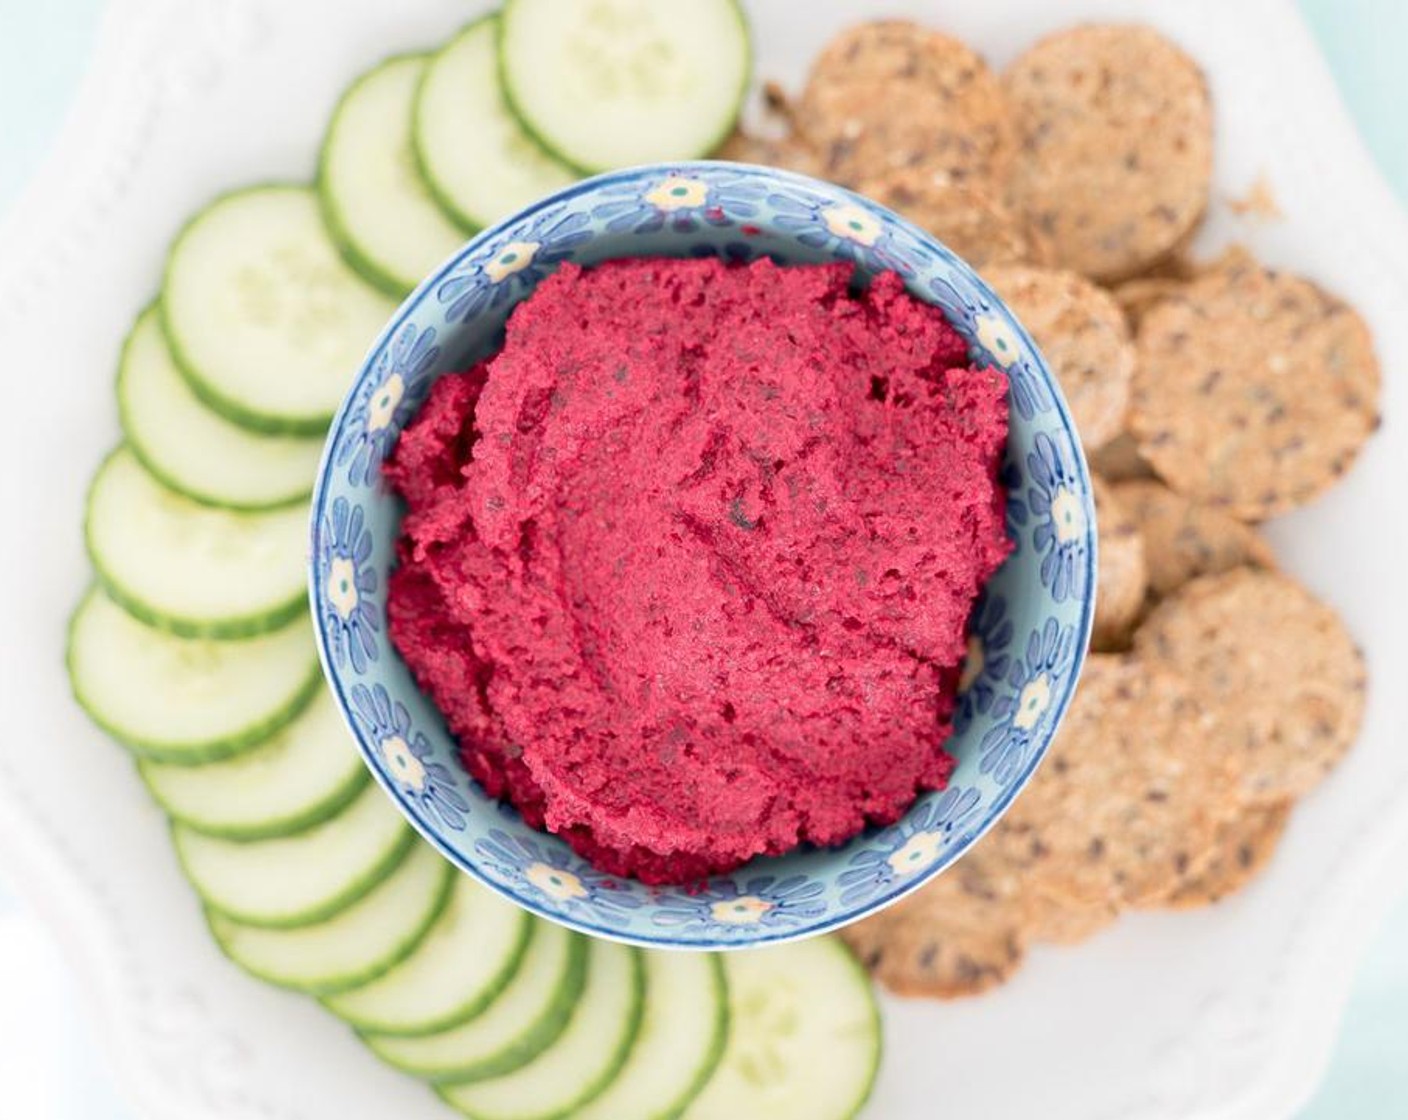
[703,557]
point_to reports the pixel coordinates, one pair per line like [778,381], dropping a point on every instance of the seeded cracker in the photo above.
[890,94]
[1141,295]
[1253,390]
[974,224]
[1115,146]
[1119,460]
[1277,664]
[1083,335]
[1122,577]
[958,935]
[1232,258]
[1180,264]
[787,152]
[1062,921]
[1184,540]
[1137,782]
[1243,848]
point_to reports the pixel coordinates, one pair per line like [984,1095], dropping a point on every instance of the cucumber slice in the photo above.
[353,947]
[302,879]
[186,700]
[374,201]
[191,569]
[265,320]
[474,155]
[804,1036]
[583,1061]
[468,959]
[306,774]
[527,1017]
[681,1039]
[614,83]
[195,451]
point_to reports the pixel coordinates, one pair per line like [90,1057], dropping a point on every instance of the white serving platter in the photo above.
[1222,1014]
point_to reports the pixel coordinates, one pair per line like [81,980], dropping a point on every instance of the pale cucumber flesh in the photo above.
[300,879]
[804,1036]
[193,569]
[525,1018]
[265,320]
[376,204]
[354,947]
[193,449]
[585,1058]
[303,775]
[475,156]
[467,960]
[682,1034]
[616,83]
[187,700]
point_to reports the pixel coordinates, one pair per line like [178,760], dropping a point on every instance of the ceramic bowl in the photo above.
[1029,631]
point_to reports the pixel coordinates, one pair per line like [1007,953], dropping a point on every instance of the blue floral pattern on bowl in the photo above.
[1030,629]
[1062,517]
[683,202]
[545,868]
[408,758]
[742,902]
[349,618]
[1021,713]
[985,668]
[499,270]
[386,400]
[907,852]
[844,230]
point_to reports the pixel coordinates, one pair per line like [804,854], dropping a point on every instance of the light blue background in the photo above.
[44,45]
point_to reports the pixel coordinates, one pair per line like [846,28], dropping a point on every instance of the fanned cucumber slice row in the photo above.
[301,879]
[526,1018]
[463,964]
[266,321]
[375,202]
[474,155]
[354,947]
[682,1035]
[186,700]
[583,1061]
[804,1036]
[305,774]
[614,83]
[194,450]
[192,569]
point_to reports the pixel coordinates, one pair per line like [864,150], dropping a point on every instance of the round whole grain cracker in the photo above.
[1253,390]
[1061,921]
[789,152]
[1121,574]
[1184,540]
[1180,264]
[1135,786]
[1231,258]
[1119,460]
[890,94]
[1243,848]
[1082,333]
[1278,664]
[958,935]
[1115,146]
[1141,295]
[976,225]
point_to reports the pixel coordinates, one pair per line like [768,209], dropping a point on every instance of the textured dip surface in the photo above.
[688,564]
